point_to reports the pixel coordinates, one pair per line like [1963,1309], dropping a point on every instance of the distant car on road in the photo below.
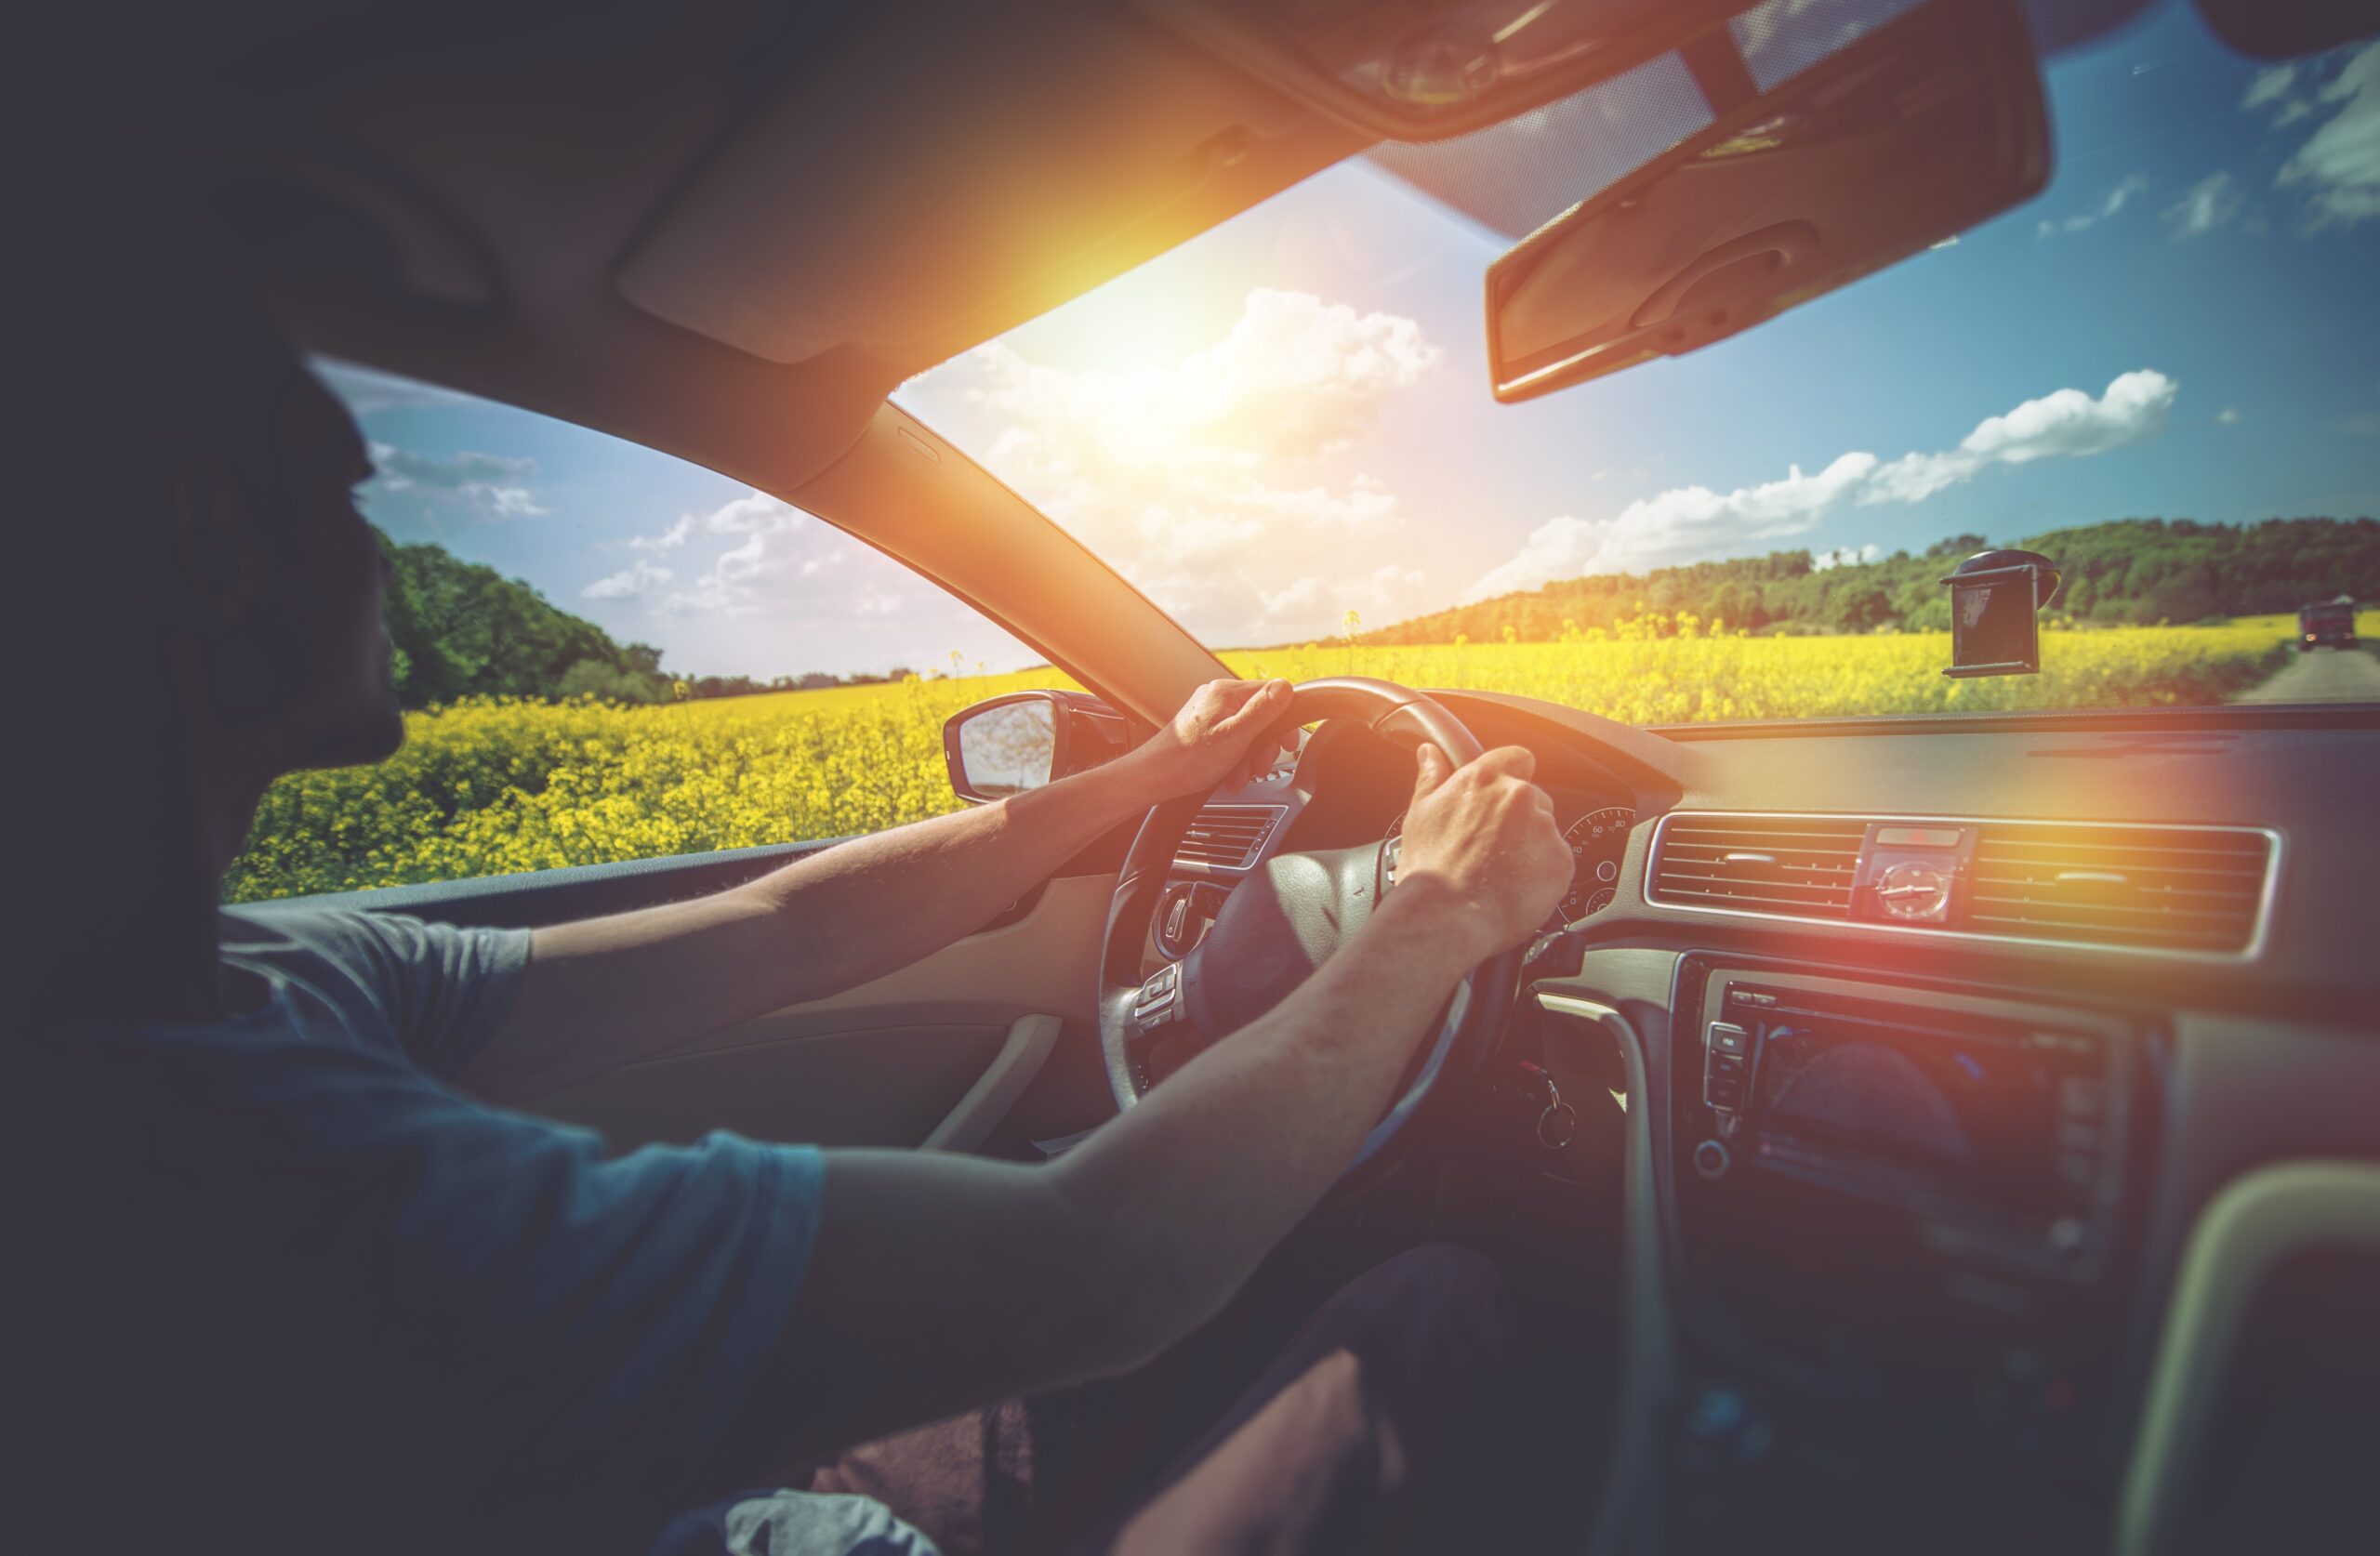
[2332,622]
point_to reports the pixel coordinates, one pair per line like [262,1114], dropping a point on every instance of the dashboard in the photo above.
[1952,1047]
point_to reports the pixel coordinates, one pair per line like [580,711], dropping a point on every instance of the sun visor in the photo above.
[944,176]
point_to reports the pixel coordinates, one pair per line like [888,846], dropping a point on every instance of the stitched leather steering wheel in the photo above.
[1278,924]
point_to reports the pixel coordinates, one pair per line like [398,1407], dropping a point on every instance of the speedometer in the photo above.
[1597,840]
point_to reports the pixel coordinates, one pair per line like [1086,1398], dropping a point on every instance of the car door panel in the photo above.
[887,1062]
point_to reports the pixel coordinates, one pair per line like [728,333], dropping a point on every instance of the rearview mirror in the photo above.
[1006,746]
[1927,127]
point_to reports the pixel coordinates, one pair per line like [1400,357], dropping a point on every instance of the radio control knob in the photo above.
[1712,1159]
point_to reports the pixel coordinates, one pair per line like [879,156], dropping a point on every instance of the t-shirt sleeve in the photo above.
[434,992]
[488,1303]
[452,986]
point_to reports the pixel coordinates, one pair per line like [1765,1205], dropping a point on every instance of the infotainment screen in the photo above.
[1956,1103]
[1910,1096]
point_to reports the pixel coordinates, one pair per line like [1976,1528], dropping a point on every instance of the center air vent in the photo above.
[1227,836]
[1801,867]
[2167,889]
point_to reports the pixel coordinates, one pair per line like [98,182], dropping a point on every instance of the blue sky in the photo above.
[1289,417]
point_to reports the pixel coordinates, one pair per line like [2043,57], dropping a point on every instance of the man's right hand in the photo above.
[1485,838]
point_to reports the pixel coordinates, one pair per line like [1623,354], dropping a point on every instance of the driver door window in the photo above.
[607,654]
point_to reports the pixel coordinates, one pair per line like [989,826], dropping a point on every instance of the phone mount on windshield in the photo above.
[1996,598]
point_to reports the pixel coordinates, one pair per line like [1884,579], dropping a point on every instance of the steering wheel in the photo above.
[1279,923]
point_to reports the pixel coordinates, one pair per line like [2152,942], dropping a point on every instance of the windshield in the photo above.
[2161,372]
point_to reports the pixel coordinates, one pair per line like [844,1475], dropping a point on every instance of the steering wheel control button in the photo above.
[1160,997]
[1712,1159]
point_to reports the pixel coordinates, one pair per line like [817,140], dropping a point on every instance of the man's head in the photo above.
[269,581]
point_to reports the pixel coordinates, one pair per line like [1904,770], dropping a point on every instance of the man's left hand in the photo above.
[1229,731]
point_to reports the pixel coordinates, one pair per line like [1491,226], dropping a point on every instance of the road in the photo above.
[2324,676]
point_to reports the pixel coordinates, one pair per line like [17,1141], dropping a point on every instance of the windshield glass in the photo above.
[2164,373]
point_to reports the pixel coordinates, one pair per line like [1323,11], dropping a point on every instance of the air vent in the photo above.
[1796,866]
[2163,888]
[1227,836]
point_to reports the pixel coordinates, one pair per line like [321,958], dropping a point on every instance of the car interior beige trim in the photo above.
[1629,1515]
[2246,1232]
[929,1054]
[969,1123]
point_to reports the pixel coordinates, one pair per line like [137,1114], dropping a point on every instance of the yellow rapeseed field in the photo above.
[492,788]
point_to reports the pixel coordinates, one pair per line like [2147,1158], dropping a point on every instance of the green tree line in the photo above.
[2128,571]
[465,630]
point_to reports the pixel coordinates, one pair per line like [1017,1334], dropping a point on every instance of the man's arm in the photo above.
[939,1282]
[603,992]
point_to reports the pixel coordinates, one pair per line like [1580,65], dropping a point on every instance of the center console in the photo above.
[1898,1235]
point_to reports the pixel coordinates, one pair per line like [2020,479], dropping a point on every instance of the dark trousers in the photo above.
[1386,1423]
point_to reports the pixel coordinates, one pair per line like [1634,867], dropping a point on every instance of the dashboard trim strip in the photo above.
[2251,951]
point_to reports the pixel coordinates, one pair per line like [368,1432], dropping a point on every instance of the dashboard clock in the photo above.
[1915,892]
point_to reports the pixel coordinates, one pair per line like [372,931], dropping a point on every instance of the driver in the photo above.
[289,1272]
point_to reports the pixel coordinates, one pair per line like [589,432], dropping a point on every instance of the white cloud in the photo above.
[2204,206]
[1677,525]
[2118,197]
[769,529]
[2068,423]
[2270,85]
[2228,417]
[668,539]
[1563,547]
[782,563]
[1378,597]
[754,513]
[1847,556]
[1216,481]
[631,582]
[1690,522]
[2339,165]
[491,482]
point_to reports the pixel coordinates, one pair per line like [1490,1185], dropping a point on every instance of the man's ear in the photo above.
[216,542]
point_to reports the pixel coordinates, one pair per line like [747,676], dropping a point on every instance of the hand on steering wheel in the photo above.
[1487,834]
[1484,835]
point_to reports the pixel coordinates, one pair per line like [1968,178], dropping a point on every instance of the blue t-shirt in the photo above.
[289,1287]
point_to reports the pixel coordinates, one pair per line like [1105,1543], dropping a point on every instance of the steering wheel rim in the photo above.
[1467,1026]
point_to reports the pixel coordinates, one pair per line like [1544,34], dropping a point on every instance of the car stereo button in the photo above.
[1725,1067]
[1724,1093]
[1727,1037]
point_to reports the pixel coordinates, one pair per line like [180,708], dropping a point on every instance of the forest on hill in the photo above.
[465,630]
[2129,572]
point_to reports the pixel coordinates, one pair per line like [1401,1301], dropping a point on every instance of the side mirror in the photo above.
[1025,740]
[1994,598]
